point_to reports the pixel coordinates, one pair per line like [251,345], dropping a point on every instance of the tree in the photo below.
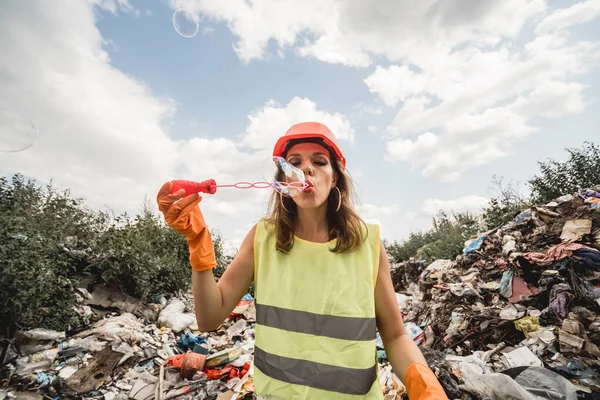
[506,201]
[580,171]
[445,240]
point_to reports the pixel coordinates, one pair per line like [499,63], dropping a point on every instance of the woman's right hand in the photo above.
[184,216]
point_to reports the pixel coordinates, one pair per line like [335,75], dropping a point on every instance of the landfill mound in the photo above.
[514,317]
[517,314]
[133,350]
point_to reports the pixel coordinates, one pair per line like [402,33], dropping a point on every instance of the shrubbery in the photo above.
[49,241]
[445,240]
[580,171]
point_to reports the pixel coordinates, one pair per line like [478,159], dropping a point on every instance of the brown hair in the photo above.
[344,224]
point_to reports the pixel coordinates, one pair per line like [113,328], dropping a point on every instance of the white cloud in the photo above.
[395,83]
[480,101]
[578,13]
[374,211]
[352,32]
[106,135]
[552,99]
[101,132]
[265,126]
[115,6]
[472,203]
[380,215]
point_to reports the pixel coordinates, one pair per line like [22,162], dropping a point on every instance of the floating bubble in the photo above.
[186,23]
[292,181]
[17,132]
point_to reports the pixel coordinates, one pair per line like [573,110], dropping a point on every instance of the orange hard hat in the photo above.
[309,130]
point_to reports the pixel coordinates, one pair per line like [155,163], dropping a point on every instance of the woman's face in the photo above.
[313,160]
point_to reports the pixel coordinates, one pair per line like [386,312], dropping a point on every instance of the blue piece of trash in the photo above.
[523,216]
[476,244]
[189,341]
[44,379]
[247,297]
[379,341]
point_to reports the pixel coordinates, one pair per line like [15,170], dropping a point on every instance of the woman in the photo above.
[322,284]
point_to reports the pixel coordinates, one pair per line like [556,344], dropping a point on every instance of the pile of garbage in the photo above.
[517,315]
[133,350]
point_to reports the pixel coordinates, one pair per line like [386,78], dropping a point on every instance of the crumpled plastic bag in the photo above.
[36,340]
[42,334]
[173,317]
[521,383]
[124,328]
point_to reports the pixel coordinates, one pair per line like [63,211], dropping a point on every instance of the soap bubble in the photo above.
[186,23]
[292,180]
[17,132]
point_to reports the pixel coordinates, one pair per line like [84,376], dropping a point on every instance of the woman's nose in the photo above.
[307,168]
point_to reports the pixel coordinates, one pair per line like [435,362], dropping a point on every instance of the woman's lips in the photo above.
[309,188]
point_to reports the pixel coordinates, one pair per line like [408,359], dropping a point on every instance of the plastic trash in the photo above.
[124,328]
[415,332]
[173,317]
[524,216]
[475,244]
[189,341]
[237,328]
[44,379]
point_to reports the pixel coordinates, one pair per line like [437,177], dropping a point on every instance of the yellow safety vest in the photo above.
[315,319]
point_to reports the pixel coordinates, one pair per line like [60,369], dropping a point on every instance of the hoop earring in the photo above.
[339,199]
[282,205]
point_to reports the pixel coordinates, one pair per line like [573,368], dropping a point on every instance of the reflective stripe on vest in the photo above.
[316,375]
[348,328]
[315,320]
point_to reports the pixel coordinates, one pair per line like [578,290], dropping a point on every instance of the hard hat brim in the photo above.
[281,145]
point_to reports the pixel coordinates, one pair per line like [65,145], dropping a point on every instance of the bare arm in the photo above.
[213,301]
[399,347]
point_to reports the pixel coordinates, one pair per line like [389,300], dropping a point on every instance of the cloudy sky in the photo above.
[430,99]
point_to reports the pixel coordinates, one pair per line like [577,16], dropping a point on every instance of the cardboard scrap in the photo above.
[93,376]
[571,340]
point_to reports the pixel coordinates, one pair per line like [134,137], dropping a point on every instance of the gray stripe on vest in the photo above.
[314,374]
[348,328]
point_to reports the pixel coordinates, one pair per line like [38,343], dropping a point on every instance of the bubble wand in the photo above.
[209,186]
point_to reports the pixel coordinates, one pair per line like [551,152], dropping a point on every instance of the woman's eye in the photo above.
[321,163]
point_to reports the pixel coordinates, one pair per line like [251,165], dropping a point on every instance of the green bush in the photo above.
[49,241]
[445,240]
[580,171]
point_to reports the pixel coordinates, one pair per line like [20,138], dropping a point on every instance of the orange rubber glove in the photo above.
[422,384]
[185,217]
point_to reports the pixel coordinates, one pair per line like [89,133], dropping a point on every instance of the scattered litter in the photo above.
[516,315]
